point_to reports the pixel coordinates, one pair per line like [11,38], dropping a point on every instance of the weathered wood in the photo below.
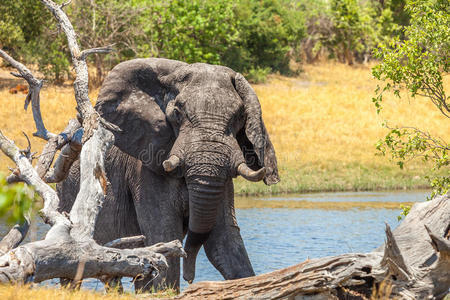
[414,263]
[53,145]
[33,95]
[69,154]
[59,257]
[29,175]
[14,237]
[93,183]
[69,242]
[127,242]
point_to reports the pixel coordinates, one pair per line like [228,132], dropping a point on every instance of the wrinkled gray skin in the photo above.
[186,131]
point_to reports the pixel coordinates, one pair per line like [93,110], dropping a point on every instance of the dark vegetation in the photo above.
[254,37]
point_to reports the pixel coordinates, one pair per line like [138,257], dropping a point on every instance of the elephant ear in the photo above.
[133,98]
[253,137]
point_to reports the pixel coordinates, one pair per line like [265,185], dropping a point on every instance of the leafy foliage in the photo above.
[270,32]
[28,32]
[15,201]
[418,65]
[248,35]
[192,31]
[348,30]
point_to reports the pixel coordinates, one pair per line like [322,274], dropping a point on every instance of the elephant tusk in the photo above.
[171,163]
[249,174]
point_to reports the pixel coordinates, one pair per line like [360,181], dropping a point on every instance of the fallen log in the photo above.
[414,263]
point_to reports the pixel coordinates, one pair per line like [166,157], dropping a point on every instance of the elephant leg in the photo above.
[159,207]
[225,248]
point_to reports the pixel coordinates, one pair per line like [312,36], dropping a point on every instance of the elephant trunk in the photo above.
[205,195]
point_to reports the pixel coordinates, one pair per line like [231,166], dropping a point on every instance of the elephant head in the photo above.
[197,121]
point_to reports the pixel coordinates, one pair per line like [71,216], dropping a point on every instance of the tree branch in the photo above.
[14,237]
[54,144]
[106,49]
[33,95]
[81,86]
[425,274]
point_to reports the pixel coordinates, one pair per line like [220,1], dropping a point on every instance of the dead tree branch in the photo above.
[54,144]
[69,242]
[14,237]
[106,49]
[33,95]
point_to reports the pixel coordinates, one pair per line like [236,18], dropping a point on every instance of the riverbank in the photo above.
[323,126]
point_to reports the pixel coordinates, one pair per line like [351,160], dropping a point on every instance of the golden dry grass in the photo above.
[249,202]
[11,292]
[57,105]
[323,126]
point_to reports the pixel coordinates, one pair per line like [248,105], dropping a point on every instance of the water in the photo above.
[278,238]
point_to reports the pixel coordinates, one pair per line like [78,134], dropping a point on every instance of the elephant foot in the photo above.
[193,244]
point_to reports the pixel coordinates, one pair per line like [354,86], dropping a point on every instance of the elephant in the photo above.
[186,130]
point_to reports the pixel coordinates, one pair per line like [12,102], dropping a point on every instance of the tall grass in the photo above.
[323,126]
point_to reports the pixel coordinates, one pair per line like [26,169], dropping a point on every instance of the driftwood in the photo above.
[68,250]
[414,263]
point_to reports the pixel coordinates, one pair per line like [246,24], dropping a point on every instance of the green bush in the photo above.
[270,32]
[15,201]
[250,36]
[257,75]
[189,30]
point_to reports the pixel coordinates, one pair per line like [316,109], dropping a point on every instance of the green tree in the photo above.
[270,33]
[418,65]
[28,32]
[348,28]
[189,30]
[15,201]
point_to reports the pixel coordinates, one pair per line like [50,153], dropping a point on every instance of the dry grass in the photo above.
[57,105]
[323,125]
[11,292]
[249,202]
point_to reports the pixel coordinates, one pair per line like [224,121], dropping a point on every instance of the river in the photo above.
[280,237]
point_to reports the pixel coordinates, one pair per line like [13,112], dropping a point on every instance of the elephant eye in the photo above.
[176,114]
